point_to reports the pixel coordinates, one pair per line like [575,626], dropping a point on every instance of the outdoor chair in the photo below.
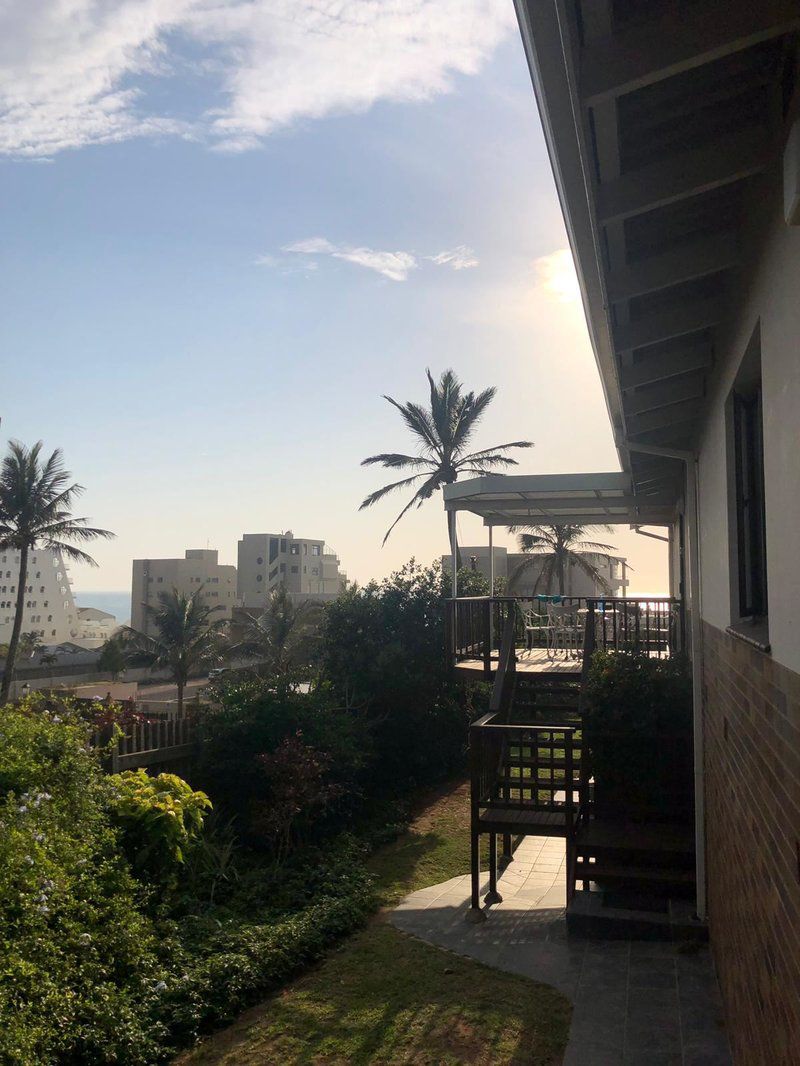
[566,631]
[535,625]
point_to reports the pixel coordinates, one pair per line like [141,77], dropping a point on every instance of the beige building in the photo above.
[49,607]
[95,627]
[199,568]
[308,569]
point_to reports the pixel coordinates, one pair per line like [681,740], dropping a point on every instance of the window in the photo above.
[283,545]
[747,510]
[260,561]
[315,570]
[750,512]
[283,568]
[260,577]
[273,549]
[315,549]
[295,569]
[295,549]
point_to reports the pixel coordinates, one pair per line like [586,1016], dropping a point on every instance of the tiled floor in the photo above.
[636,1003]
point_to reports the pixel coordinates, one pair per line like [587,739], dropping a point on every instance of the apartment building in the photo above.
[199,567]
[95,627]
[521,572]
[49,608]
[308,569]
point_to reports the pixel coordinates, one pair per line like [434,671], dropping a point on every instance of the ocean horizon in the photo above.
[115,602]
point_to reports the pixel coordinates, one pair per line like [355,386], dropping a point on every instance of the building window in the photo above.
[295,549]
[750,511]
[259,577]
[295,569]
[283,545]
[315,549]
[260,561]
[748,533]
[273,549]
[315,570]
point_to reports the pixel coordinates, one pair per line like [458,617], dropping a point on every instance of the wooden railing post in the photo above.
[487,636]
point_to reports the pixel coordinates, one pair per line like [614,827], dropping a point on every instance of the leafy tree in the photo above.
[114,656]
[36,500]
[442,433]
[557,548]
[281,637]
[188,638]
[382,651]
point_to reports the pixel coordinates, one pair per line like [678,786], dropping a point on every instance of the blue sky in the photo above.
[219,247]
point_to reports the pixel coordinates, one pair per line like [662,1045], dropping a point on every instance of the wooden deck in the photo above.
[528,662]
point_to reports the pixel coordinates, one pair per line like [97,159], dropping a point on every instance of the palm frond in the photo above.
[373,497]
[424,492]
[397,460]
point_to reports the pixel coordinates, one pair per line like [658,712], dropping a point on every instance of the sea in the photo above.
[116,603]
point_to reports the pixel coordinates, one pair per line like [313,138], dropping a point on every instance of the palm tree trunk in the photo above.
[179,683]
[561,575]
[13,647]
[452,536]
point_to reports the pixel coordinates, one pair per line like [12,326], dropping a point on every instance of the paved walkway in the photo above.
[636,1003]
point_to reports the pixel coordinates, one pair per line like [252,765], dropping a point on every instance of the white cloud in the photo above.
[75,72]
[393,265]
[555,274]
[460,258]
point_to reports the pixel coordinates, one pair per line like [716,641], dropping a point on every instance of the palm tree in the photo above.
[36,498]
[443,432]
[188,638]
[559,548]
[281,637]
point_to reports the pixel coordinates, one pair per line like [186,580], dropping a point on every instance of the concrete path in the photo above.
[636,1003]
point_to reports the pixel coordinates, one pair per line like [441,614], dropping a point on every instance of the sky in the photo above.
[228,229]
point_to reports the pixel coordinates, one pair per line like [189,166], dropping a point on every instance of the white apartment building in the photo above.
[199,567]
[308,569]
[49,608]
[612,568]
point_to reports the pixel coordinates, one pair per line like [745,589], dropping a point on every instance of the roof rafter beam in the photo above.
[721,162]
[664,417]
[690,388]
[687,263]
[706,31]
[672,322]
[481,506]
[696,355]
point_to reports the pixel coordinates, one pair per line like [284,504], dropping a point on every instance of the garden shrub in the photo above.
[250,740]
[639,735]
[225,967]
[160,817]
[79,969]
[382,649]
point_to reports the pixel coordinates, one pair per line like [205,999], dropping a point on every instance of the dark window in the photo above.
[295,549]
[260,577]
[273,574]
[748,438]
[273,549]
[283,568]
[295,569]
[260,561]
[283,546]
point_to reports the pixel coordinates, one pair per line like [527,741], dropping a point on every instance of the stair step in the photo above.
[604,872]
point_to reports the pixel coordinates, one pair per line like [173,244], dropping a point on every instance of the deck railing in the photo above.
[475,625]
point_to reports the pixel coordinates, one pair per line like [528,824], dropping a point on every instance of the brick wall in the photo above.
[752,772]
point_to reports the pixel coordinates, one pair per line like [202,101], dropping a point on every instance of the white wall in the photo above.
[774,298]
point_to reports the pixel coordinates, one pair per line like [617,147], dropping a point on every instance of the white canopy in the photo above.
[559,499]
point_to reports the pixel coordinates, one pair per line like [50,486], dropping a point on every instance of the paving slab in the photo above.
[635,1003]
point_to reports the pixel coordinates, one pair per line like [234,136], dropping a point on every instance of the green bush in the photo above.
[160,817]
[246,766]
[639,735]
[382,649]
[79,962]
[225,966]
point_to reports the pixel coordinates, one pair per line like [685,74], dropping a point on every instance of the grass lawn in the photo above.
[384,997]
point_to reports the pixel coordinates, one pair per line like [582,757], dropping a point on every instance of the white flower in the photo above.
[43,909]
[160,986]
[29,860]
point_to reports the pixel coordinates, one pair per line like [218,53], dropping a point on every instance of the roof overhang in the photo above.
[664,129]
[558,499]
